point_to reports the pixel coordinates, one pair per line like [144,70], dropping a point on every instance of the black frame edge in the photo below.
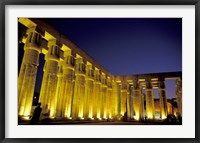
[197,59]
[100,140]
[101,2]
[2,72]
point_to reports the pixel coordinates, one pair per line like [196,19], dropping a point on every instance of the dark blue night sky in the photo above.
[127,46]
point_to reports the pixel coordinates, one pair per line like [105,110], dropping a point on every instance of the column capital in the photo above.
[136,85]
[130,89]
[161,84]
[36,29]
[148,85]
[124,87]
[90,71]
[33,39]
[54,52]
[97,76]
[103,79]
[69,60]
[179,79]
[80,66]
[54,42]
[109,83]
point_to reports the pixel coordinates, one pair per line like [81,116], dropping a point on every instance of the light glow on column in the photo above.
[104,116]
[136,117]
[149,115]
[98,115]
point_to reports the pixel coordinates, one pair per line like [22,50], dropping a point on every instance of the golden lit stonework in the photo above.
[76,87]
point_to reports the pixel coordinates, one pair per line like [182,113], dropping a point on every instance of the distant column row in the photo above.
[132,100]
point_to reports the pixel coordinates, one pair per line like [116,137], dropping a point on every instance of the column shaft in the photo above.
[129,103]
[89,100]
[119,96]
[89,92]
[149,101]
[79,90]
[109,102]
[137,101]
[104,102]
[59,93]
[163,100]
[114,99]
[142,107]
[97,92]
[179,95]
[123,99]
[64,104]
[48,92]
[68,88]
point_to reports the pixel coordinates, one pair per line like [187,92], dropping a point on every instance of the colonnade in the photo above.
[71,87]
[134,104]
[74,88]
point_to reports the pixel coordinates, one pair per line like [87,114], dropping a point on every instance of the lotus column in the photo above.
[28,70]
[89,92]
[163,100]
[97,92]
[123,98]
[79,89]
[109,98]
[114,98]
[67,86]
[103,96]
[137,100]
[129,101]
[179,95]
[48,91]
[149,101]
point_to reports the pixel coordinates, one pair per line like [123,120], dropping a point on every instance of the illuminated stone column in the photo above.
[119,101]
[79,89]
[142,107]
[67,86]
[59,92]
[100,98]
[89,91]
[28,70]
[179,95]
[149,101]
[115,98]
[109,98]
[124,93]
[132,110]
[137,100]
[104,96]
[48,92]
[97,93]
[163,100]
[129,102]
